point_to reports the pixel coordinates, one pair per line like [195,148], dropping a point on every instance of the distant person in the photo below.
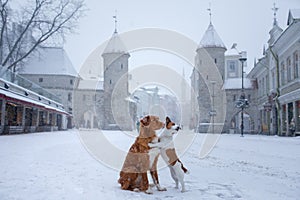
[292,126]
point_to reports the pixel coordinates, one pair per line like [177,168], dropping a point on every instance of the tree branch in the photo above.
[61,21]
[35,12]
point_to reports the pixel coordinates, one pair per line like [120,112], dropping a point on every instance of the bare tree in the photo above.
[26,26]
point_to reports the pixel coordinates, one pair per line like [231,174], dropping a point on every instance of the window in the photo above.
[84,97]
[289,69]
[70,97]
[273,79]
[263,86]
[296,64]
[267,83]
[121,66]
[215,60]
[41,80]
[71,81]
[234,97]
[259,88]
[110,82]
[232,66]
[282,73]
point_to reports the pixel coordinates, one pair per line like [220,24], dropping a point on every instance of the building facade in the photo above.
[103,101]
[24,110]
[208,105]
[277,74]
[51,68]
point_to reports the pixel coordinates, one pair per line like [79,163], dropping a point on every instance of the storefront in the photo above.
[21,114]
[290,113]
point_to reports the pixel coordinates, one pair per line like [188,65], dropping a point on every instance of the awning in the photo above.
[28,101]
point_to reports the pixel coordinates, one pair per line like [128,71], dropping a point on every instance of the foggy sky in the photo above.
[245,22]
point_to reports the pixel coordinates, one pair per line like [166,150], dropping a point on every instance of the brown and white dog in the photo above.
[167,151]
[140,158]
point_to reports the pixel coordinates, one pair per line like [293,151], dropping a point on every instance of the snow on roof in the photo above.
[29,100]
[211,38]
[90,84]
[236,83]
[293,15]
[115,45]
[232,52]
[49,60]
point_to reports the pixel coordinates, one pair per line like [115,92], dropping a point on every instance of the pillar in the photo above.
[3,112]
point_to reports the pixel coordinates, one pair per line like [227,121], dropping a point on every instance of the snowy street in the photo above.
[57,165]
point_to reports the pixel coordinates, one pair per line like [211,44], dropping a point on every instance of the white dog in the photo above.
[168,153]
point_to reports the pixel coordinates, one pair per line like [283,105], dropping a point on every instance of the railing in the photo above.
[25,83]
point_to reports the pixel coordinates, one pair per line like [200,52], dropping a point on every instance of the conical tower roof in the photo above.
[115,45]
[211,38]
[275,32]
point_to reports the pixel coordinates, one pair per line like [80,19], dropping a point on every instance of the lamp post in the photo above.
[213,111]
[243,59]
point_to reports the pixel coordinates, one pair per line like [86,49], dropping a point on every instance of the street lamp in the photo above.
[243,59]
[213,112]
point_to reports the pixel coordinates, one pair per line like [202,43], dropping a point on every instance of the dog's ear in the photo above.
[168,120]
[145,121]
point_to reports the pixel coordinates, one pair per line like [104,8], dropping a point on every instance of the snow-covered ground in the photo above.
[58,166]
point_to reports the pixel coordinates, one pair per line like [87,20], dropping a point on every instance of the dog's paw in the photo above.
[136,190]
[183,190]
[149,191]
[151,145]
[162,189]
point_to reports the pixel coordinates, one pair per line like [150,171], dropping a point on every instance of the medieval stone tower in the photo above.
[211,51]
[115,86]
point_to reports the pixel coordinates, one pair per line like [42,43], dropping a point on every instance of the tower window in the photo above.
[70,97]
[110,81]
[41,80]
[121,66]
[71,81]
[215,60]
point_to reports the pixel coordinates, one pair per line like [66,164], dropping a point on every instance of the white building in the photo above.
[51,68]
[278,77]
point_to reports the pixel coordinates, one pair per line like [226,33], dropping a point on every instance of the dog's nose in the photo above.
[178,128]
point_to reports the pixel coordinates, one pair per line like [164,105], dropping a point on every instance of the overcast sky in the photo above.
[245,22]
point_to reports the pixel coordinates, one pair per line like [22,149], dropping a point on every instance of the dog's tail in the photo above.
[183,168]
